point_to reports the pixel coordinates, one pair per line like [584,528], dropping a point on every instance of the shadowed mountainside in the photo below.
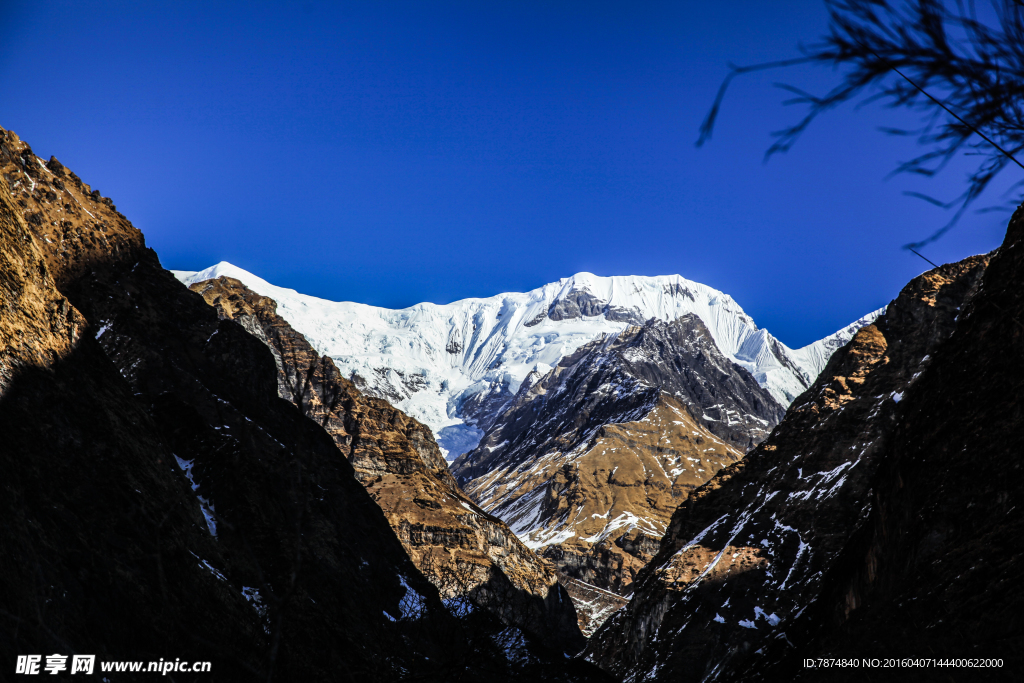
[161,500]
[463,550]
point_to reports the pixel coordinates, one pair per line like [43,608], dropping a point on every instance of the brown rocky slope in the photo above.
[873,522]
[463,550]
[159,498]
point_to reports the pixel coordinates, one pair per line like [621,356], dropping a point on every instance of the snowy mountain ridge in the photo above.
[437,362]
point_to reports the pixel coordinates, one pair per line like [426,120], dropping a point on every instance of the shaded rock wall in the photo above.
[935,568]
[749,556]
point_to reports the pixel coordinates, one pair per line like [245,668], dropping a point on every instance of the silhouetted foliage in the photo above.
[961,70]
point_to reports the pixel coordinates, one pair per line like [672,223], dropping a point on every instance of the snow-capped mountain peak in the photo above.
[452,366]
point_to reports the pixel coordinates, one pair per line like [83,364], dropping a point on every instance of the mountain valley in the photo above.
[602,479]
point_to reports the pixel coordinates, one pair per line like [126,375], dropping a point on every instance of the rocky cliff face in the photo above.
[758,561]
[935,566]
[161,500]
[590,460]
[463,550]
[38,326]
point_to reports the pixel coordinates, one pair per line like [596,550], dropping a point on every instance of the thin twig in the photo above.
[924,257]
[957,117]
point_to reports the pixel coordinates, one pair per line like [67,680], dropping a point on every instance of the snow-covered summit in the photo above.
[436,362]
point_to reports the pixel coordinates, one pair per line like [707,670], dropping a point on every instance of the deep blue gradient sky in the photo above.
[391,152]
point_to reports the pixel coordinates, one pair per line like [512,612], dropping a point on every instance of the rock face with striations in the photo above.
[463,550]
[850,530]
[159,497]
[590,460]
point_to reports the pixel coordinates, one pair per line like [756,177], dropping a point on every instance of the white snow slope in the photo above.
[428,359]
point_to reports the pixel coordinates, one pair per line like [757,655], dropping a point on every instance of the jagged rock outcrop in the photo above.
[619,375]
[159,498]
[769,561]
[463,550]
[589,462]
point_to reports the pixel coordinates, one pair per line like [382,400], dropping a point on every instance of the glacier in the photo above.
[452,366]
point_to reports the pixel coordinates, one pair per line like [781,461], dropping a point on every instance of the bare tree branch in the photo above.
[964,75]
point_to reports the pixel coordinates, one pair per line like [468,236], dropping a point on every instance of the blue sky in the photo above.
[394,152]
